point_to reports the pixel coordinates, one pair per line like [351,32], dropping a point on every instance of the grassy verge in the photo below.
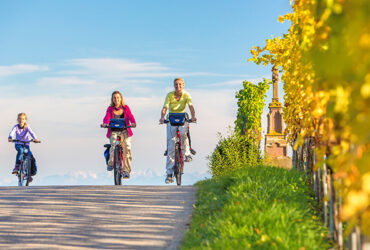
[255,208]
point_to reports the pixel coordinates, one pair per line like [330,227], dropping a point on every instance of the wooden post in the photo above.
[365,242]
[331,207]
[297,159]
[301,158]
[340,224]
[335,216]
[315,183]
[319,185]
[325,193]
[338,227]
[355,239]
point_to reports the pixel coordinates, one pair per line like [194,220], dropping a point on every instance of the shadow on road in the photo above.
[101,217]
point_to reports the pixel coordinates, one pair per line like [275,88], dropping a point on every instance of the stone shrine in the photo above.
[275,142]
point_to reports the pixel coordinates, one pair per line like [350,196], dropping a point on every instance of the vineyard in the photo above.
[325,64]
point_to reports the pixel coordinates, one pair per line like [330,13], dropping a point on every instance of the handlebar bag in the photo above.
[177,119]
[117,124]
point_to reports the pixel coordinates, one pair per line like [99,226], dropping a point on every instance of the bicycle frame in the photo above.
[118,168]
[178,148]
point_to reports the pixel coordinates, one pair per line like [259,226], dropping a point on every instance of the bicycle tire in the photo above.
[178,169]
[28,170]
[20,174]
[117,172]
[120,166]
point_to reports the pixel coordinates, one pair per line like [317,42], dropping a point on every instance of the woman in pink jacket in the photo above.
[118,109]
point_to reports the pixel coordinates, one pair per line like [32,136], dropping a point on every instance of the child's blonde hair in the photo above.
[23,114]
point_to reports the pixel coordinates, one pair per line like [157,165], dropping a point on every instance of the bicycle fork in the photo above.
[121,159]
[180,148]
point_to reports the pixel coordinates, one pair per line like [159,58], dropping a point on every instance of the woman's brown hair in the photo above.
[111,100]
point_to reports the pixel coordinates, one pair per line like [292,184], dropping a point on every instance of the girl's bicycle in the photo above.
[25,166]
[179,159]
[117,124]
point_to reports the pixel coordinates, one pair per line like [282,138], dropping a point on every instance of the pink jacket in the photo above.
[127,114]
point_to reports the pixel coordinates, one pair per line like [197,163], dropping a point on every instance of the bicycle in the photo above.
[179,160]
[25,172]
[192,151]
[117,124]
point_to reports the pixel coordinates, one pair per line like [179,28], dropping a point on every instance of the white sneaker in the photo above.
[188,158]
[169,179]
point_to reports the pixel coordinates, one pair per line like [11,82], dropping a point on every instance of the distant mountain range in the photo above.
[146,177]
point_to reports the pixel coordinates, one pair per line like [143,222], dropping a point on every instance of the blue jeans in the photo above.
[20,150]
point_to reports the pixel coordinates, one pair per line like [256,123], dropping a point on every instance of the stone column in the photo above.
[275,142]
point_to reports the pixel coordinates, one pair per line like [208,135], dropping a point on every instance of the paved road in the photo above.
[100,217]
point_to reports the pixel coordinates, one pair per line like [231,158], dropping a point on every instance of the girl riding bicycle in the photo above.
[21,132]
[118,109]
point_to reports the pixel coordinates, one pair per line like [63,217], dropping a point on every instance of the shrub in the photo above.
[233,152]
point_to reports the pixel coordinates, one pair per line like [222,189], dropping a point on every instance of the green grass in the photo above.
[256,208]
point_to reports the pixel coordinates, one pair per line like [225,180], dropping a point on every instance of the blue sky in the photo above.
[61,60]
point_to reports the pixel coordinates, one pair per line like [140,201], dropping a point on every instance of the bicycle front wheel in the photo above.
[21,173]
[178,165]
[27,170]
[117,170]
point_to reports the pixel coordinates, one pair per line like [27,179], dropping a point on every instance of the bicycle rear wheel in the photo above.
[27,170]
[117,170]
[178,165]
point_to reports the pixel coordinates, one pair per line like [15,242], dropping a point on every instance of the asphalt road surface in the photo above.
[94,217]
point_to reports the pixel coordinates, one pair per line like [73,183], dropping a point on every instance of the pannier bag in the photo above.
[106,152]
[33,166]
[106,155]
[177,119]
[117,124]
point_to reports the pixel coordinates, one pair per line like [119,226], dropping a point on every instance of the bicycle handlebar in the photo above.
[107,126]
[189,121]
[26,141]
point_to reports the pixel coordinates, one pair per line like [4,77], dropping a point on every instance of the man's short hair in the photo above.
[181,79]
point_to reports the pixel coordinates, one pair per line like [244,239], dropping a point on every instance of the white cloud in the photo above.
[54,81]
[111,66]
[21,69]
[124,68]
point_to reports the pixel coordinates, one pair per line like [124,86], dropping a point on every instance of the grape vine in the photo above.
[251,101]
[325,60]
